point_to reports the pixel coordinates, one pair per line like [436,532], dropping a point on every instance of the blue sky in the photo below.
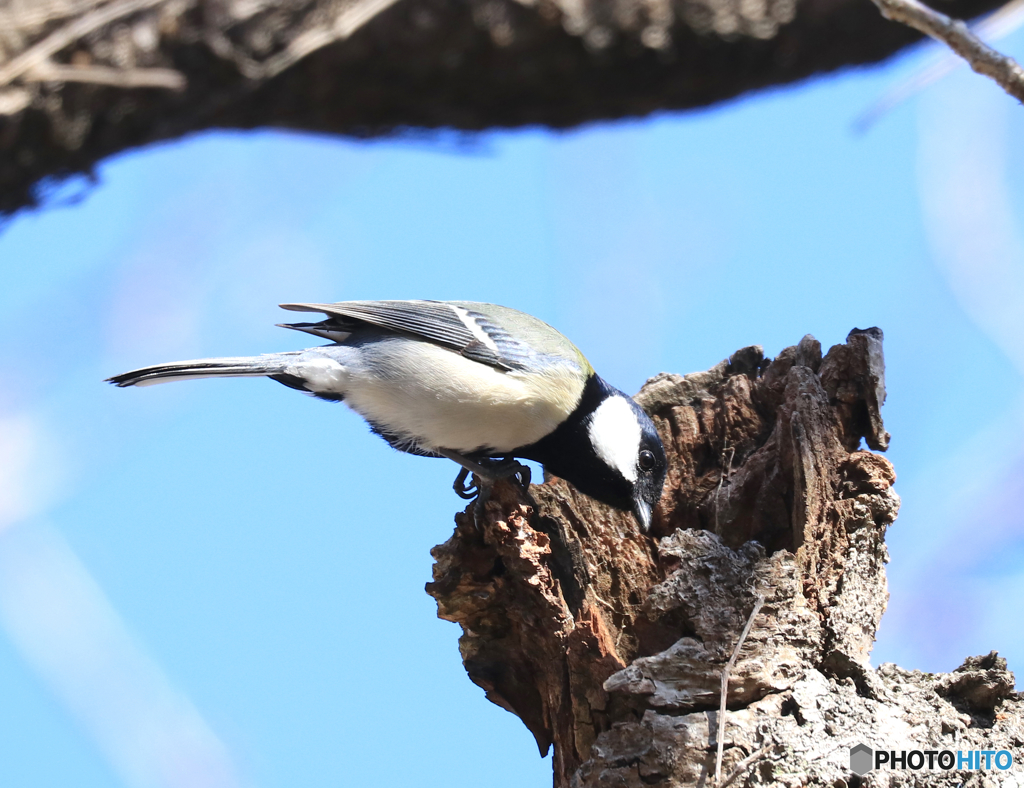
[221,583]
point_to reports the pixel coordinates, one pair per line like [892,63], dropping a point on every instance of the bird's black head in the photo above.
[625,442]
[608,449]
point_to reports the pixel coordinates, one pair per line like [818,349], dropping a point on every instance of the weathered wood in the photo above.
[610,644]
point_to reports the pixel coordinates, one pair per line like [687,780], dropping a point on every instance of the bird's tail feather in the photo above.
[237,367]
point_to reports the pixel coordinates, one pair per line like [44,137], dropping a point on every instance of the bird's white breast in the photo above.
[437,399]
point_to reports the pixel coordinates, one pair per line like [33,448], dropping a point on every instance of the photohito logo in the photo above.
[863,759]
[860,759]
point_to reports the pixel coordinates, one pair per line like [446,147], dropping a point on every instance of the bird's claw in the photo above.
[465,491]
[485,474]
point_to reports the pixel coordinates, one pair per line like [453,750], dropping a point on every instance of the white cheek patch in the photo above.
[615,435]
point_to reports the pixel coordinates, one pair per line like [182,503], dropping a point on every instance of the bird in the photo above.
[480,384]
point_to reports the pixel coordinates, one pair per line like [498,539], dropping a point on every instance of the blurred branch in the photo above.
[76,76]
[957,36]
[991,28]
[102,75]
[38,54]
[348,22]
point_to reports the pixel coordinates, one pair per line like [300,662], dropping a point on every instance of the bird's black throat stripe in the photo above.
[567,452]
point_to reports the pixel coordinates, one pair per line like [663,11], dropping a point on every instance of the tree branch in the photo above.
[39,53]
[347,23]
[126,78]
[380,67]
[985,60]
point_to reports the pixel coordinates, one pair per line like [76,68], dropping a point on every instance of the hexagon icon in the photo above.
[861,758]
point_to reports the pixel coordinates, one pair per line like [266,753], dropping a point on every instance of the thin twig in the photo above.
[724,694]
[992,28]
[606,604]
[743,765]
[41,52]
[957,36]
[726,472]
[103,75]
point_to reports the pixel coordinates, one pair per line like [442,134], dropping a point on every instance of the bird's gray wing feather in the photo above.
[453,325]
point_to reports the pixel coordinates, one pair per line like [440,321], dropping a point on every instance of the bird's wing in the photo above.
[474,330]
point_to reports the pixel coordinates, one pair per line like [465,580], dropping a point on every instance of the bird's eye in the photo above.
[646,460]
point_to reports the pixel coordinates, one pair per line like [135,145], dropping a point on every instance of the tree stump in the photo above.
[609,644]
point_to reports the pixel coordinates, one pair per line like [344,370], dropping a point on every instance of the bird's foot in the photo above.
[465,491]
[503,469]
[485,474]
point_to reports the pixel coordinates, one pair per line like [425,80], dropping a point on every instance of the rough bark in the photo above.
[83,79]
[610,644]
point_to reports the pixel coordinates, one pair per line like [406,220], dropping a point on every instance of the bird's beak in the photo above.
[642,510]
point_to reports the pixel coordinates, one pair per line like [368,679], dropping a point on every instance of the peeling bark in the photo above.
[610,644]
[81,80]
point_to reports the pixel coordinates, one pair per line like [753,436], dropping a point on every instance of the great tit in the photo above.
[480,384]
